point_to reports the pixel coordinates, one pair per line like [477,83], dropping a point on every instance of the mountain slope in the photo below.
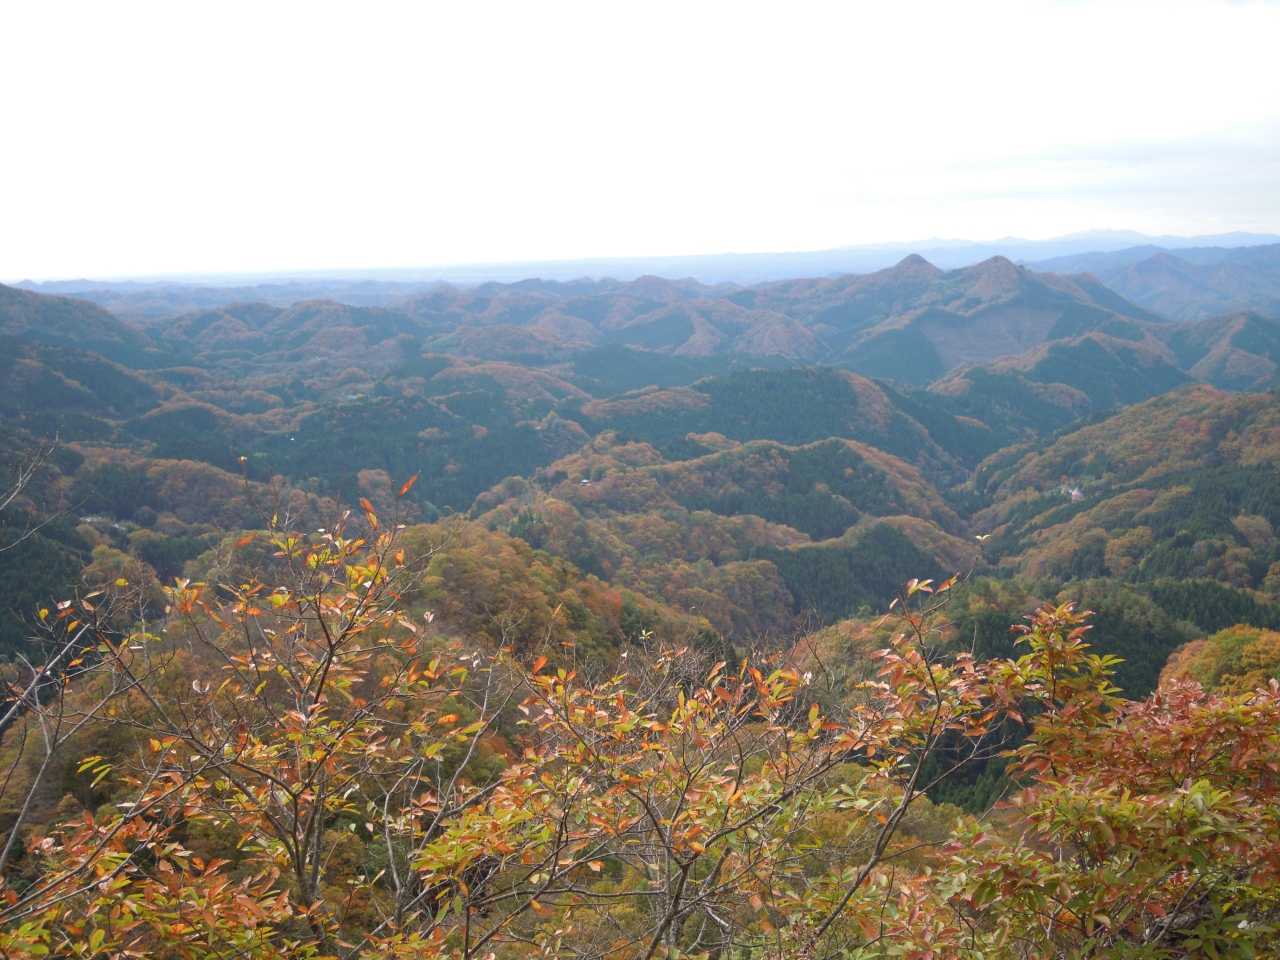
[796,406]
[75,323]
[1246,279]
[265,334]
[1182,486]
[913,321]
[1121,362]
[732,533]
[1048,387]
[1239,351]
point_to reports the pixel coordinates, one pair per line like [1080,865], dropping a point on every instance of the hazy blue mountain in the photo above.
[1098,261]
[1192,284]
[740,268]
[148,302]
[1247,279]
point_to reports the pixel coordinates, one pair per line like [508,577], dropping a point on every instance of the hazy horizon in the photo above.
[948,253]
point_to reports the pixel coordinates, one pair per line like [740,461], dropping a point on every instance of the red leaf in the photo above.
[408,484]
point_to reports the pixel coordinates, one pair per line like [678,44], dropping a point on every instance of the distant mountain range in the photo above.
[911,323]
[1193,284]
[374,287]
[135,300]
[988,355]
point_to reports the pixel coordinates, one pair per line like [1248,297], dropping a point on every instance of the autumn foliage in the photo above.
[297,763]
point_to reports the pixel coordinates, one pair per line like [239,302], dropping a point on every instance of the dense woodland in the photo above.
[627,620]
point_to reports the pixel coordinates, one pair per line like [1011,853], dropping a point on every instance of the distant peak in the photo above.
[913,264]
[997,264]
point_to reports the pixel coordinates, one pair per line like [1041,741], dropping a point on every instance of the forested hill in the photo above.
[75,323]
[1184,486]
[718,477]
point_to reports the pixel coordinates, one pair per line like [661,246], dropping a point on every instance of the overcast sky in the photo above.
[145,139]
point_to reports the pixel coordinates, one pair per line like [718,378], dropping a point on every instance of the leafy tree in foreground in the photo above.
[298,766]
[1149,828]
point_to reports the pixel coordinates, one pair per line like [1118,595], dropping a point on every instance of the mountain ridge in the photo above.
[948,317]
[744,268]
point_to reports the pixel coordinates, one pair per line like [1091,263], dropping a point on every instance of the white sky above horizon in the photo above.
[145,139]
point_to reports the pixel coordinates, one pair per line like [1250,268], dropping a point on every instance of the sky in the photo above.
[150,139]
